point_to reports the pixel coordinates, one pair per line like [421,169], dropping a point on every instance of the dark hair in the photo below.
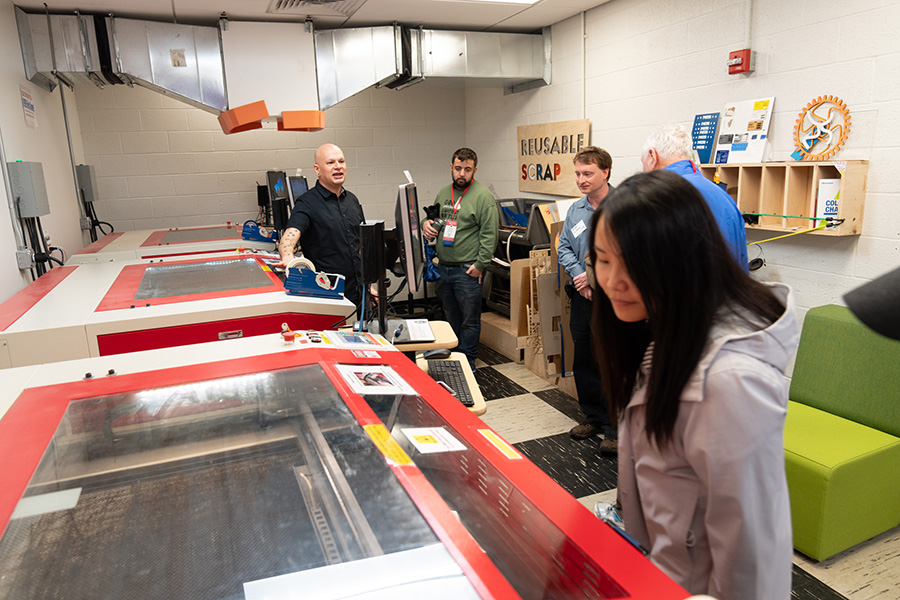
[594,155]
[677,258]
[464,154]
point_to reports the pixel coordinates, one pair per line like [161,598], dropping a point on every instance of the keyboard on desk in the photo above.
[451,373]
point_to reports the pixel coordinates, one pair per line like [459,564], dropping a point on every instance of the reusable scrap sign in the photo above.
[545,156]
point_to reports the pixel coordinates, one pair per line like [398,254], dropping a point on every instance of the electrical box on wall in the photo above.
[741,61]
[87,182]
[28,188]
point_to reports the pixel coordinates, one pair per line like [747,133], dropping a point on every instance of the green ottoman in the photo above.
[843,480]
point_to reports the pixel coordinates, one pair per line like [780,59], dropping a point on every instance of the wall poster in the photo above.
[743,131]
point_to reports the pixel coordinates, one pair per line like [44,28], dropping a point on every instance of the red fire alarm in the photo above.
[741,61]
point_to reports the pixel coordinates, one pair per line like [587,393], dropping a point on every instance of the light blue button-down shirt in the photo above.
[574,239]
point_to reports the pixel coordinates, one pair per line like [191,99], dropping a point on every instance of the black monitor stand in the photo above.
[279,215]
[371,238]
[379,246]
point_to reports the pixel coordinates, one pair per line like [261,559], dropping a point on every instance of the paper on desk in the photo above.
[419,330]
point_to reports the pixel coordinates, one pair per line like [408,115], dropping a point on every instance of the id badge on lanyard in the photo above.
[450,224]
[449,232]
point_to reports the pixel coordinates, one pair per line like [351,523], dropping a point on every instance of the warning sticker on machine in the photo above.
[500,444]
[432,439]
[386,444]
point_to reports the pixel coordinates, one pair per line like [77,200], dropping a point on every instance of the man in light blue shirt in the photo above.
[592,168]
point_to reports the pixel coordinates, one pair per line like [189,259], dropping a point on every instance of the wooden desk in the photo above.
[480,406]
[443,338]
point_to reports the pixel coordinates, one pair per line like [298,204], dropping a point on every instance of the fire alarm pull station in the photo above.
[741,61]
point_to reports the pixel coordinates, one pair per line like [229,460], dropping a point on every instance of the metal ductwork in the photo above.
[182,61]
[513,60]
[351,60]
[69,55]
[190,63]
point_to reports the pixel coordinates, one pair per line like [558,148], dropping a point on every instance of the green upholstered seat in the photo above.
[842,449]
[843,480]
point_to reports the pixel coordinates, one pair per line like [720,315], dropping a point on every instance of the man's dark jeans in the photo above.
[461,297]
[584,368]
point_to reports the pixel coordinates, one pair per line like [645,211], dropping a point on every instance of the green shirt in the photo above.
[477,226]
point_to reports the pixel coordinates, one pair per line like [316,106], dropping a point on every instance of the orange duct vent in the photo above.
[301,120]
[244,118]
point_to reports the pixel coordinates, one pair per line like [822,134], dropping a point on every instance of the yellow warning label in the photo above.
[501,445]
[761,105]
[390,448]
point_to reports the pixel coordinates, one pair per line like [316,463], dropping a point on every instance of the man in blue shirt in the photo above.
[592,168]
[669,147]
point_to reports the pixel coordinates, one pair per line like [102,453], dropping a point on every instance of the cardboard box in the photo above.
[519,295]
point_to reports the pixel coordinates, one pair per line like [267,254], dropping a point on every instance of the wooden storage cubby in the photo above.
[790,188]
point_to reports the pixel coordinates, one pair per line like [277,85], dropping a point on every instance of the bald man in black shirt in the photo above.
[328,217]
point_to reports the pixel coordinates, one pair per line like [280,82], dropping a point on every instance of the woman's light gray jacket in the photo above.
[712,506]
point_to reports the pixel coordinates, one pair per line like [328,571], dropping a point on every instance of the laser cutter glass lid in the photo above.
[210,490]
[163,281]
[203,234]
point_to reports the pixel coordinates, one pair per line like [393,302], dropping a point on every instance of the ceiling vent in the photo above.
[315,8]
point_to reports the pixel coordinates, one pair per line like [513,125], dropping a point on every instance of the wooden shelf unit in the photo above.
[790,188]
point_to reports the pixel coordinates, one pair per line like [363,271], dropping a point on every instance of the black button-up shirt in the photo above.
[329,234]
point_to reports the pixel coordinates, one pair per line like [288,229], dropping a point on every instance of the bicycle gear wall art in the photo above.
[821,128]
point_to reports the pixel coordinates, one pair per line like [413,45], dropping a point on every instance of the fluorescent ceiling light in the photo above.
[494,1]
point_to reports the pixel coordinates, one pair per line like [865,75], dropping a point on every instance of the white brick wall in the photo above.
[162,163]
[649,62]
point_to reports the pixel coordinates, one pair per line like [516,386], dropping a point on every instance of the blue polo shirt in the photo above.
[723,207]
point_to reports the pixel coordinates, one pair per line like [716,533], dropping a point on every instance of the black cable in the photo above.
[344,320]
[56,260]
[92,215]
[43,240]
[35,244]
[88,211]
[111,228]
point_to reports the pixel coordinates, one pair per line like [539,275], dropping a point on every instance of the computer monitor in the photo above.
[297,186]
[409,235]
[400,250]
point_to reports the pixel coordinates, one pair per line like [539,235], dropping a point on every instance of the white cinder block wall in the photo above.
[161,163]
[648,62]
[627,65]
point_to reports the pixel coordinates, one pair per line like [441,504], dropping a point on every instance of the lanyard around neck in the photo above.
[456,201]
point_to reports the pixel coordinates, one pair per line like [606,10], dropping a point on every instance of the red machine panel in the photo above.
[196,333]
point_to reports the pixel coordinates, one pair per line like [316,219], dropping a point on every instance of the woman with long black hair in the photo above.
[692,352]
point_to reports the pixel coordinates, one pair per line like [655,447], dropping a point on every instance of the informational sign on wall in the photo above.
[545,156]
[703,135]
[743,131]
[28,108]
